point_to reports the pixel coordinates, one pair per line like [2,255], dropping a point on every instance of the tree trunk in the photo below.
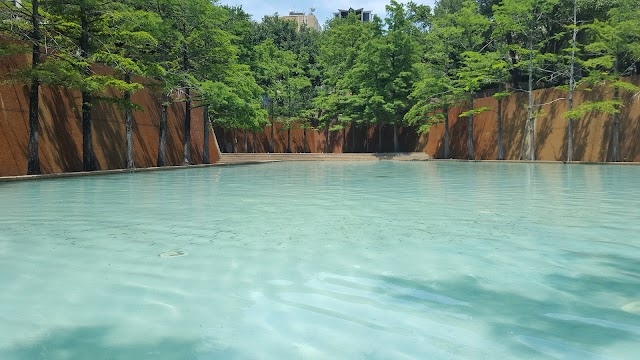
[128,123]
[289,139]
[186,149]
[326,141]
[33,164]
[366,139]
[396,145]
[162,136]
[206,158]
[234,141]
[164,115]
[528,152]
[569,138]
[572,82]
[471,153]
[255,141]
[500,147]
[305,146]
[615,139]
[447,150]
[353,138]
[344,139]
[223,137]
[88,157]
[379,138]
[246,141]
[515,71]
[532,119]
[273,141]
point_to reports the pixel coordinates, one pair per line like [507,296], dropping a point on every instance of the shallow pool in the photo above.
[321,260]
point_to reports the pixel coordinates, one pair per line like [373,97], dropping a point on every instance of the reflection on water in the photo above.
[324,260]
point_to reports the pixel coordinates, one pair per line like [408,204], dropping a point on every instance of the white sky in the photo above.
[324,8]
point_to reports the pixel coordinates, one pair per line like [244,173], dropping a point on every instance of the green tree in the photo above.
[435,91]
[521,19]
[79,20]
[126,45]
[383,75]
[280,76]
[22,23]
[168,70]
[614,46]
[198,49]
[234,103]
[473,73]
[339,47]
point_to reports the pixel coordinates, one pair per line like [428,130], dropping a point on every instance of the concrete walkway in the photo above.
[250,158]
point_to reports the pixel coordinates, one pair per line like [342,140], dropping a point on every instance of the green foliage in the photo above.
[606,107]
[433,92]
[474,111]
[501,95]
[406,69]
[382,76]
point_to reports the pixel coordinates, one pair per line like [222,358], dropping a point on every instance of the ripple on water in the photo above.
[341,263]
[632,307]
[280,282]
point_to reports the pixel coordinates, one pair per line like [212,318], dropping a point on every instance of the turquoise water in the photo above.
[384,260]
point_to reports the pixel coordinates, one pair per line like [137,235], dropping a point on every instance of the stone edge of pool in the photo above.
[120,171]
[253,159]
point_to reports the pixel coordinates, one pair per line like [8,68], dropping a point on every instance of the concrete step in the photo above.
[227,158]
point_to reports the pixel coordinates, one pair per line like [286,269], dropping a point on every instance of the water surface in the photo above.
[385,260]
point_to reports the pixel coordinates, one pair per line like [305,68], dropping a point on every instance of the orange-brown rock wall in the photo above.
[591,137]
[60,132]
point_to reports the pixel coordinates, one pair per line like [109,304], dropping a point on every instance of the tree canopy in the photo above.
[405,67]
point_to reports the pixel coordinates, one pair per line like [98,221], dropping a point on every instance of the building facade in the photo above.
[301,19]
[365,15]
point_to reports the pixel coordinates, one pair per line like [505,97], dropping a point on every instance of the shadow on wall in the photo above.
[546,124]
[630,127]
[513,125]
[109,135]
[57,133]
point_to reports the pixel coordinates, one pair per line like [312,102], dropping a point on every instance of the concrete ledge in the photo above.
[243,157]
[122,171]
[540,162]
[255,159]
[98,172]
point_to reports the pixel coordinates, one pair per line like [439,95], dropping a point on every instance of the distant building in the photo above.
[301,18]
[365,15]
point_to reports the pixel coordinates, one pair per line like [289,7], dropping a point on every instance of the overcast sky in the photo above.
[324,8]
